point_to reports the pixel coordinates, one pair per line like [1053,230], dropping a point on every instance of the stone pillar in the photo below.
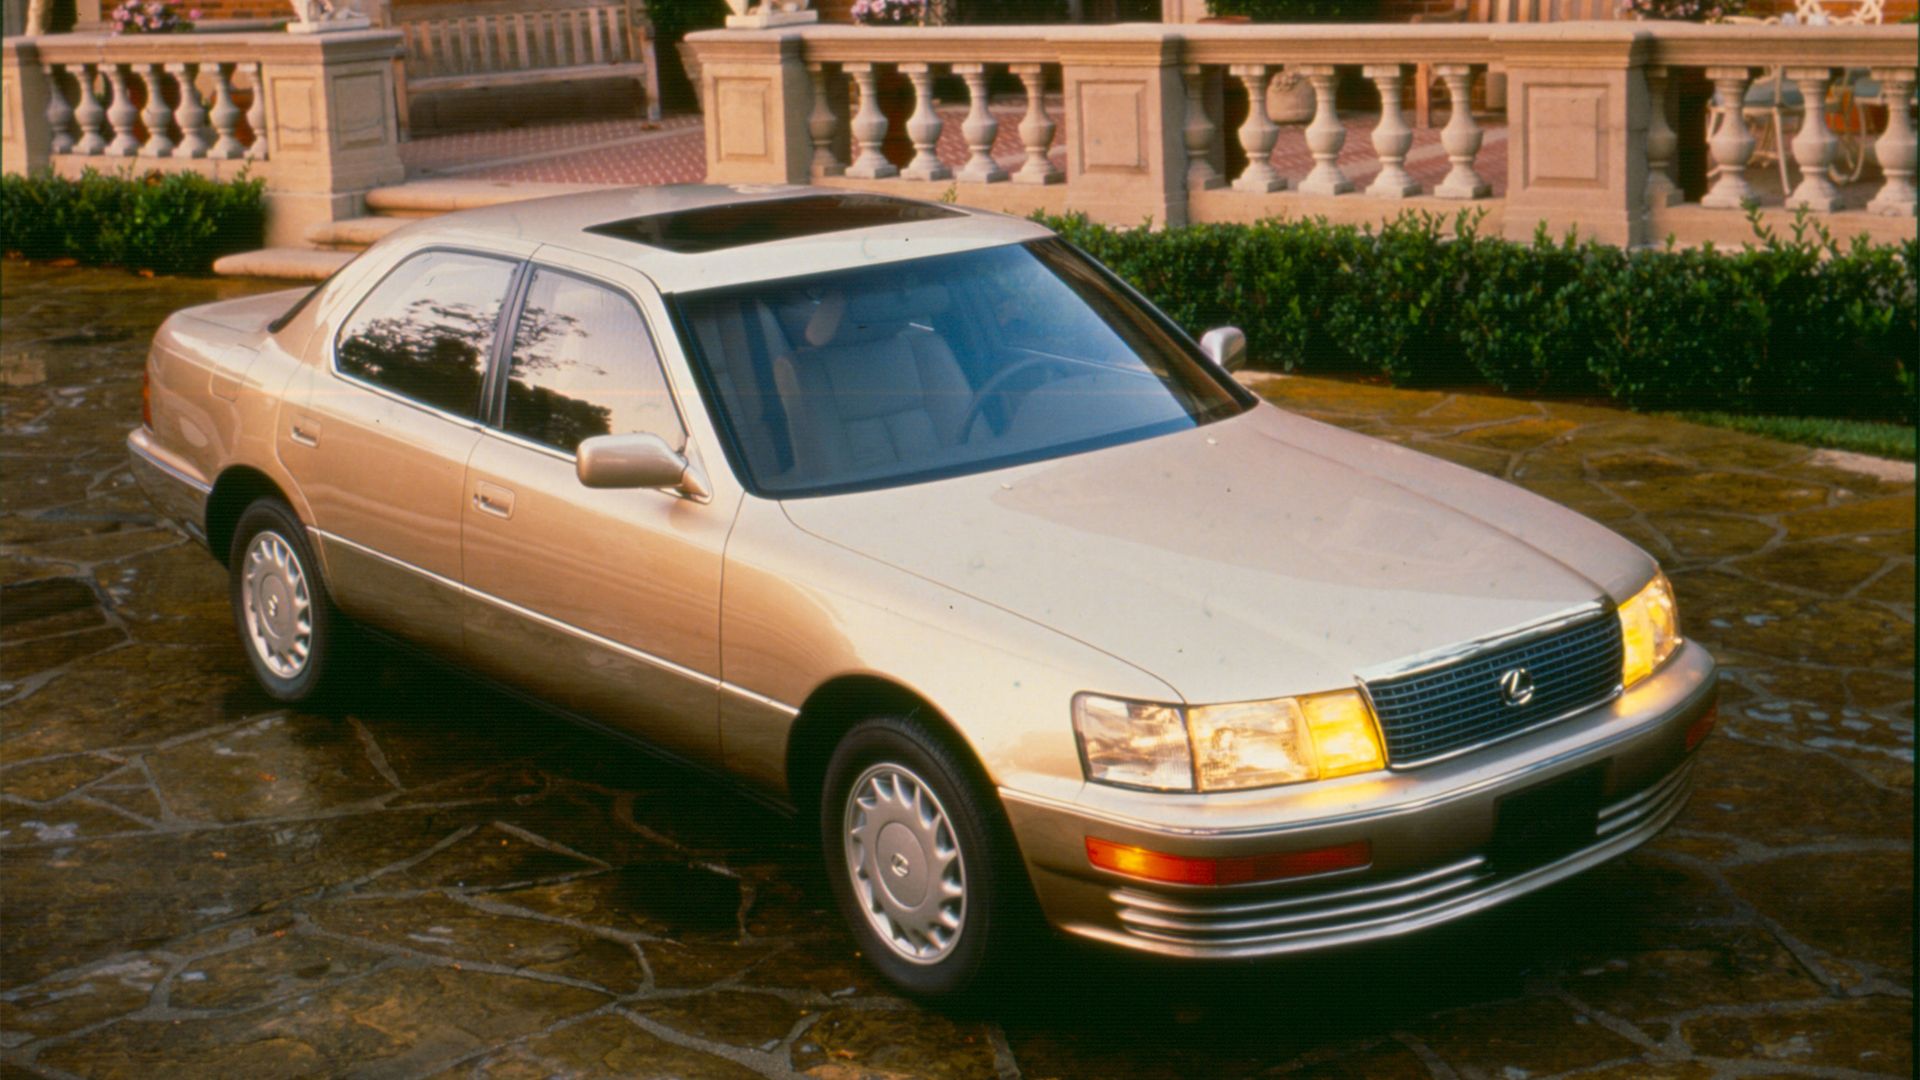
[823,123]
[1732,142]
[1814,148]
[869,129]
[1325,136]
[1662,143]
[1199,132]
[326,115]
[1036,129]
[1257,135]
[25,140]
[1461,137]
[1126,118]
[923,127]
[1392,138]
[1895,149]
[1577,115]
[757,103]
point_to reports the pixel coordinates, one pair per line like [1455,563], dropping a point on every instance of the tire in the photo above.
[919,859]
[285,620]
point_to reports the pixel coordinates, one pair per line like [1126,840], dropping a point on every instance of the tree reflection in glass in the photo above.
[426,331]
[584,365]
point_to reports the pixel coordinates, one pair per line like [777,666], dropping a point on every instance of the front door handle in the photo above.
[493,499]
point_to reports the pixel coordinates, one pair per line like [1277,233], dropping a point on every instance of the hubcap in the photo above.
[276,606]
[905,864]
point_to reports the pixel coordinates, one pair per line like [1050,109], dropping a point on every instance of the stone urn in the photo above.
[1289,99]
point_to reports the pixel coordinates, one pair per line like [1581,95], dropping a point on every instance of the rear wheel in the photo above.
[914,857]
[285,619]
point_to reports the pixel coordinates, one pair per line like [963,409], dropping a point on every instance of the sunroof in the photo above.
[716,228]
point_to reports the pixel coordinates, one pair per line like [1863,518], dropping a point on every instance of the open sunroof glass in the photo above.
[716,228]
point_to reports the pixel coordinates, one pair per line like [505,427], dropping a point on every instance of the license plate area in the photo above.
[1540,824]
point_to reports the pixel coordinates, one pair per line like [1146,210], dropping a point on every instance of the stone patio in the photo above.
[448,883]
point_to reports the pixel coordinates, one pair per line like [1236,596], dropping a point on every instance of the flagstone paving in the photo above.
[444,882]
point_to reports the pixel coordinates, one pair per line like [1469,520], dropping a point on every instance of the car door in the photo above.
[379,438]
[605,601]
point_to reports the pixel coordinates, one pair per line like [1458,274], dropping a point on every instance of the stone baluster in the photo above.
[159,144]
[1392,138]
[1662,143]
[869,129]
[226,115]
[1732,143]
[1895,149]
[1461,137]
[257,114]
[1199,132]
[191,114]
[89,114]
[1814,148]
[980,129]
[923,127]
[59,112]
[1036,129]
[823,124]
[1258,134]
[122,115]
[1325,136]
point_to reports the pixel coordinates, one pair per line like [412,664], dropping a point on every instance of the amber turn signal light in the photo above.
[1234,870]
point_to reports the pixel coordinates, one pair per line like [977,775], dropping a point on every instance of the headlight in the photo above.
[1650,628]
[1225,747]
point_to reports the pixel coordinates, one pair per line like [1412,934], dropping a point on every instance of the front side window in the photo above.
[427,329]
[583,364]
[916,370]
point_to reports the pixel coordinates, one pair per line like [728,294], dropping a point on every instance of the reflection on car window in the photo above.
[940,366]
[584,365]
[426,330]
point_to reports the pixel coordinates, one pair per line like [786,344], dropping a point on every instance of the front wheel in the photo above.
[913,857]
[285,619]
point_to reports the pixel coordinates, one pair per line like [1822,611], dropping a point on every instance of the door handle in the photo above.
[305,432]
[493,499]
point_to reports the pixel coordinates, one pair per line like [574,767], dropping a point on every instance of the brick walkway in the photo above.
[633,151]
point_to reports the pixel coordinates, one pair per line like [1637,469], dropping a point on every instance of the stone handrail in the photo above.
[311,114]
[1590,143]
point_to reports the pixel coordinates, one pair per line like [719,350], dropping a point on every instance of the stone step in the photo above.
[425,198]
[290,264]
[354,234]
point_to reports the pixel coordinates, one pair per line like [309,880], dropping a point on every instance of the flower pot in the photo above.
[1289,99]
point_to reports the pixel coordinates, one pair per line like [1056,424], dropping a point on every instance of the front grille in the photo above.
[1433,713]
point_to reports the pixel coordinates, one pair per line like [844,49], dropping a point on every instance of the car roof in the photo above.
[618,223]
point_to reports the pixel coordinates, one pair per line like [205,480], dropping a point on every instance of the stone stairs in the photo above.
[330,245]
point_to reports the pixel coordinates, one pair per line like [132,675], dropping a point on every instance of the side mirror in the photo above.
[636,461]
[1226,346]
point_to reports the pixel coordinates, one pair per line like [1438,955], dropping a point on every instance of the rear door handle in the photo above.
[305,432]
[493,499]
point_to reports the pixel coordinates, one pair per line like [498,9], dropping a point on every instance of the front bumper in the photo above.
[171,485]
[1431,832]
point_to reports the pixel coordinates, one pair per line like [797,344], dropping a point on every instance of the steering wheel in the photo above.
[988,388]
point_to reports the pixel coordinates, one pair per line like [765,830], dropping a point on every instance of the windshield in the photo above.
[911,371]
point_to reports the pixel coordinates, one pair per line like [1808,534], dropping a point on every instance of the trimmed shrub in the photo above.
[169,223]
[1789,326]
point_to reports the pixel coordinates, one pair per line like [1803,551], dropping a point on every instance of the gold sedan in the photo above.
[922,524]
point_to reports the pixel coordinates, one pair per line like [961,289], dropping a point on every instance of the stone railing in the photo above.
[311,114]
[1589,131]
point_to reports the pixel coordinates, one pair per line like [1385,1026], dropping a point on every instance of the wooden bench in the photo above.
[1504,11]
[470,46]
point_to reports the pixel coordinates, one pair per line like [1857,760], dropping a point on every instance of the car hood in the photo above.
[1259,556]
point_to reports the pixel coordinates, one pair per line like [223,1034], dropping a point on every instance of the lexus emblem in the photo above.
[1516,687]
[900,865]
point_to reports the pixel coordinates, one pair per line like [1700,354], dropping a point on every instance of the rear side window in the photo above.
[584,365]
[426,330]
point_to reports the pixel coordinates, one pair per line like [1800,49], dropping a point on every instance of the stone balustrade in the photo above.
[1591,141]
[311,114]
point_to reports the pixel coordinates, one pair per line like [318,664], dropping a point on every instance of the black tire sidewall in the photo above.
[272,515]
[903,742]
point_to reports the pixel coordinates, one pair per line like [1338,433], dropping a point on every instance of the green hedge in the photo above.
[169,223]
[1793,325]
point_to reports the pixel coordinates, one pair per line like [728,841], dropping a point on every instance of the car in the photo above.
[924,526]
